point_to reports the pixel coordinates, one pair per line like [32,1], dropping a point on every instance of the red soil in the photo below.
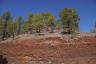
[35,51]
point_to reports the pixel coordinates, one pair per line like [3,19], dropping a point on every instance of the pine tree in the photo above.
[49,20]
[38,22]
[20,20]
[1,26]
[5,18]
[70,19]
[26,27]
[58,25]
[12,28]
[29,24]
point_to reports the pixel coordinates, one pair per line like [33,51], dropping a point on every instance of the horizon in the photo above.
[85,8]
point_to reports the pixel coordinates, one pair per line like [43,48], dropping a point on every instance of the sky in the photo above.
[85,8]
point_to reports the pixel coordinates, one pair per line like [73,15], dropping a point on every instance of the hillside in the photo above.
[50,49]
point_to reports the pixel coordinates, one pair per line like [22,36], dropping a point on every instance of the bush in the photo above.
[72,36]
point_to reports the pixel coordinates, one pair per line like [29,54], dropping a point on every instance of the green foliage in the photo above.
[1,28]
[49,21]
[30,18]
[48,18]
[69,18]
[72,36]
[39,22]
[58,24]
[19,20]
[5,18]
[26,26]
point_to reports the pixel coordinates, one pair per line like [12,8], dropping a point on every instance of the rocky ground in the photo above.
[50,49]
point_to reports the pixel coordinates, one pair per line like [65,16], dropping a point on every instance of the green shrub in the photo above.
[72,36]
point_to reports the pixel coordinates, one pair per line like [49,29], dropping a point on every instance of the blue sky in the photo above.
[85,8]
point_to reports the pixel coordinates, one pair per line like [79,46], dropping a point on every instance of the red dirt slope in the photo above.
[38,51]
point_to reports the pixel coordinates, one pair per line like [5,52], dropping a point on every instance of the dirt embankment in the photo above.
[51,50]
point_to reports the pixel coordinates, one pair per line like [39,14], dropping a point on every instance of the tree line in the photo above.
[39,22]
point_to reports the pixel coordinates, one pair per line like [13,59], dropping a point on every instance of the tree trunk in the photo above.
[69,30]
[19,29]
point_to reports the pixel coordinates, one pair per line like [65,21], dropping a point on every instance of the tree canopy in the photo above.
[39,22]
[70,19]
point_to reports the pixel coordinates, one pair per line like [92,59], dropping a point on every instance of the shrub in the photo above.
[72,36]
